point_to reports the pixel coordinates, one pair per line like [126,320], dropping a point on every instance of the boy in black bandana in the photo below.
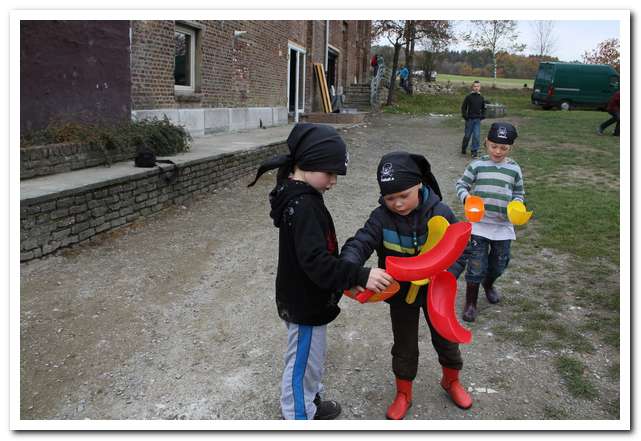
[410,196]
[310,278]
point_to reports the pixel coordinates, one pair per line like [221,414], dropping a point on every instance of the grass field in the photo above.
[487,82]
[571,177]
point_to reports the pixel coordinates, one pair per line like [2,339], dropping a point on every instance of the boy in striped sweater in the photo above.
[498,180]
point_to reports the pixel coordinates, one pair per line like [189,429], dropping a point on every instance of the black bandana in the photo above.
[312,147]
[398,171]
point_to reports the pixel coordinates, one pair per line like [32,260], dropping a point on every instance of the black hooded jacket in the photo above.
[390,234]
[310,278]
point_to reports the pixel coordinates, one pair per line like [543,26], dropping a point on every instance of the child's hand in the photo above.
[378,280]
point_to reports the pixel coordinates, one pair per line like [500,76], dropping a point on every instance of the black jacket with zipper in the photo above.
[384,227]
[473,106]
[310,279]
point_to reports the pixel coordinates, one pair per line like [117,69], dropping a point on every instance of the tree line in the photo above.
[423,45]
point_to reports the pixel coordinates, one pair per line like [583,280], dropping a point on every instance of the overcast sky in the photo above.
[572,37]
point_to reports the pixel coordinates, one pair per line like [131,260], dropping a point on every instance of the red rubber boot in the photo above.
[454,388]
[402,402]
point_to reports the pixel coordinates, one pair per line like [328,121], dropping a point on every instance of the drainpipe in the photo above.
[326,43]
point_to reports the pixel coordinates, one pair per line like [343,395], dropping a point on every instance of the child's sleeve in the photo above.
[319,264]
[357,249]
[464,108]
[445,211]
[518,192]
[464,185]
[483,104]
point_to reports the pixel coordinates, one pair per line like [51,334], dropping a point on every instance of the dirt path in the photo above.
[174,318]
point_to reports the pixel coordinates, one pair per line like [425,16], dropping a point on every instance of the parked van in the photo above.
[568,85]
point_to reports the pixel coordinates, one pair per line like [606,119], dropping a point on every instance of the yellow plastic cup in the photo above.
[517,214]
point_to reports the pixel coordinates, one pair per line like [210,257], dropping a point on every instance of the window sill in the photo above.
[188,97]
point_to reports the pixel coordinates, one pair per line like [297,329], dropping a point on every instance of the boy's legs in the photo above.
[449,354]
[466,136]
[405,349]
[477,261]
[477,251]
[613,119]
[404,358]
[476,136]
[304,366]
[449,357]
[498,259]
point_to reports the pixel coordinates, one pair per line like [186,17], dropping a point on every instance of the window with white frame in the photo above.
[185,59]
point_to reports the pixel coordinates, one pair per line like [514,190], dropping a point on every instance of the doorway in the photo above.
[332,64]
[295,80]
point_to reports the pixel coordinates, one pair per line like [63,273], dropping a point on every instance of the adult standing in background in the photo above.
[613,109]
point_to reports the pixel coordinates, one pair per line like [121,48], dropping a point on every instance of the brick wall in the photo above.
[249,71]
[351,37]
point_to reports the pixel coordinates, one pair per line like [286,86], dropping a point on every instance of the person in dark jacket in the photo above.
[473,111]
[310,278]
[613,110]
[410,197]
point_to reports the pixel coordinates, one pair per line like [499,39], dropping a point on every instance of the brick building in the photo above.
[207,75]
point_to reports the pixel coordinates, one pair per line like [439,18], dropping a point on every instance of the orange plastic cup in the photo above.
[474,208]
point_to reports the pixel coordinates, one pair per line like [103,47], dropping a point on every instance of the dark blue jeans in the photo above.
[614,119]
[472,130]
[485,259]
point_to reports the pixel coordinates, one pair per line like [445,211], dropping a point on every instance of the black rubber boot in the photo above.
[471,297]
[492,294]
[326,410]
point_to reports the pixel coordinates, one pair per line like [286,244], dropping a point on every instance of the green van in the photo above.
[569,85]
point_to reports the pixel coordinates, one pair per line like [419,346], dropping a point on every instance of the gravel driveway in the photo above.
[174,317]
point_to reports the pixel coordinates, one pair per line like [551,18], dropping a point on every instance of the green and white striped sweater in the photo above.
[497,183]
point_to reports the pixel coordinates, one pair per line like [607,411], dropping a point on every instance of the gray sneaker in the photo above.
[599,130]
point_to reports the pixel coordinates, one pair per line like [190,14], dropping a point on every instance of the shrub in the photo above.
[161,135]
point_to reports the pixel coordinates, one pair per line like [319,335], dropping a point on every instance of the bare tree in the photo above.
[495,36]
[394,32]
[435,37]
[544,38]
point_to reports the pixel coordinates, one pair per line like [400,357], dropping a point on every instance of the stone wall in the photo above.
[58,220]
[60,158]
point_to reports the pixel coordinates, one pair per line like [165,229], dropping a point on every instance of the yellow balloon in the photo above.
[517,214]
[436,227]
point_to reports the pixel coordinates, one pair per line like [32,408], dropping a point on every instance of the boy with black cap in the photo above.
[498,180]
[410,196]
[473,111]
[310,278]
